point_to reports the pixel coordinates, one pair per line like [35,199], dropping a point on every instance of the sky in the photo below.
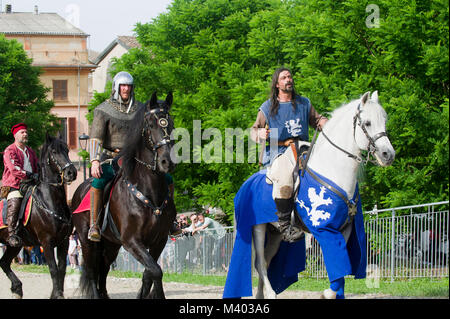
[103,20]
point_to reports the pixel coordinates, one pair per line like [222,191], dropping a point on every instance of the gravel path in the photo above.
[38,286]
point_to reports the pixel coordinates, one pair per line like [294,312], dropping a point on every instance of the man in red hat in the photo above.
[20,163]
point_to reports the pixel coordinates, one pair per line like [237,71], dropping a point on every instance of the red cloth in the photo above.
[13,161]
[85,204]
[18,127]
[26,217]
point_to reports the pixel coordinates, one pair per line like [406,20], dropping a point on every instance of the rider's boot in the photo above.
[96,204]
[290,230]
[12,218]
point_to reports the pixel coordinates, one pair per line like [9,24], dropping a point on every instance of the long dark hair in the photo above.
[274,103]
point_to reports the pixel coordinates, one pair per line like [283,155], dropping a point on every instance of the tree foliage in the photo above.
[217,56]
[22,96]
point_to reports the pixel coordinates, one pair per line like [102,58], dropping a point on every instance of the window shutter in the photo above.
[72,132]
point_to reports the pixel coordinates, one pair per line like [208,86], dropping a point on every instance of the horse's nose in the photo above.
[388,156]
[71,173]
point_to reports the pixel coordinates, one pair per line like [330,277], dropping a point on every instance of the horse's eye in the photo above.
[367,123]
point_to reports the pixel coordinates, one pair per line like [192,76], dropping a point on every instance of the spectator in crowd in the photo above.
[36,255]
[214,236]
[74,247]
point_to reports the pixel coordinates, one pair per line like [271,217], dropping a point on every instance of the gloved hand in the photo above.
[33,176]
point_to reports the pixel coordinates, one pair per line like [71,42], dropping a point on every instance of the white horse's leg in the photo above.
[273,243]
[264,287]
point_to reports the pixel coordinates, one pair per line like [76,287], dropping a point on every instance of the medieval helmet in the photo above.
[122,78]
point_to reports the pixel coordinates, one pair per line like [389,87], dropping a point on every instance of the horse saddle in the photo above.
[24,212]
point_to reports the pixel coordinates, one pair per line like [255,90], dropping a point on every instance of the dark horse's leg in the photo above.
[110,251]
[152,274]
[5,263]
[49,254]
[62,250]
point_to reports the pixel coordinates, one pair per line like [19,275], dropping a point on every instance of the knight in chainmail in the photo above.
[108,134]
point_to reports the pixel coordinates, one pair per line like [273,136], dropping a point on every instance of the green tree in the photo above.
[217,56]
[22,96]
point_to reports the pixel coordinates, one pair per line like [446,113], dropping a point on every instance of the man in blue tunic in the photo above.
[283,120]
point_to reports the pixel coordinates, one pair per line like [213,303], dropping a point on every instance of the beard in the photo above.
[24,140]
[289,87]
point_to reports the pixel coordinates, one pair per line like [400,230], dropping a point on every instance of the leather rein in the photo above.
[39,203]
[371,147]
[163,123]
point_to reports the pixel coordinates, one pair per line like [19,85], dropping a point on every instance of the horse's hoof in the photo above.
[328,294]
[16,296]
[270,294]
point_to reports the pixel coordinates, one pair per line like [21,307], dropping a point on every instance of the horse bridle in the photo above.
[163,123]
[371,147]
[61,169]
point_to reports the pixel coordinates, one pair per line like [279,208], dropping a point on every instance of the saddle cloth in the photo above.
[254,205]
[85,204]
[24,213]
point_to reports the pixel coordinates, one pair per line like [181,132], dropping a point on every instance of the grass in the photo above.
[418,287]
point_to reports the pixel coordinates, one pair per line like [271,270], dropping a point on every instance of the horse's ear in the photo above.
[48,138]
[169,100]
[153,102]
[365,98]
[374,97]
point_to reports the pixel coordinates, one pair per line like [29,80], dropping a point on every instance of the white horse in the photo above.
[335,156]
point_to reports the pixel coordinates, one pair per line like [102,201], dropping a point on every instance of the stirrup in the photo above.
[292,234]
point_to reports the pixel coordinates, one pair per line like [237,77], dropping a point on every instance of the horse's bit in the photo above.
[60,169]
[163,123]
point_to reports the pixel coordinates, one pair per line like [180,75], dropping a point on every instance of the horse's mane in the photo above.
[134,143]
[337,114]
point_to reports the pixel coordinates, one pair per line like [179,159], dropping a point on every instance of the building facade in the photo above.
[60,49]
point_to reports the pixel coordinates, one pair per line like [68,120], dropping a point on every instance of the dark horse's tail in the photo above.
[90,271]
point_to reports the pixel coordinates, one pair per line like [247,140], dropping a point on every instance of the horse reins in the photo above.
[60,169]
[371,147]
[163,123]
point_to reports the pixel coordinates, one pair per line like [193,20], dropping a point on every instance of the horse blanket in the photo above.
[321,210]
[24,213]
[85,204]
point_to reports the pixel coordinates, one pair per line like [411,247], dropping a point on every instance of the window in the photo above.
[69,131]
[60,90]
[72,132]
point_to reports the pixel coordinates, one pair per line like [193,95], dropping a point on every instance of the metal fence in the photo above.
[402,242]
[202,253]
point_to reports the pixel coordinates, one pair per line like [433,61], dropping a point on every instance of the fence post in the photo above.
[392,245]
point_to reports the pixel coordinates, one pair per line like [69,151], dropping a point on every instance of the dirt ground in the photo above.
[38,286]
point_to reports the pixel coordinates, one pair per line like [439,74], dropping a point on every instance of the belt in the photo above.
[111,153]
[288,141]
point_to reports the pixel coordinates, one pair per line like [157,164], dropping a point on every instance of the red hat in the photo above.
[18,127]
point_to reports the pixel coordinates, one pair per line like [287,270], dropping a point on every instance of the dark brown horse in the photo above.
[140,208]
[49,224]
